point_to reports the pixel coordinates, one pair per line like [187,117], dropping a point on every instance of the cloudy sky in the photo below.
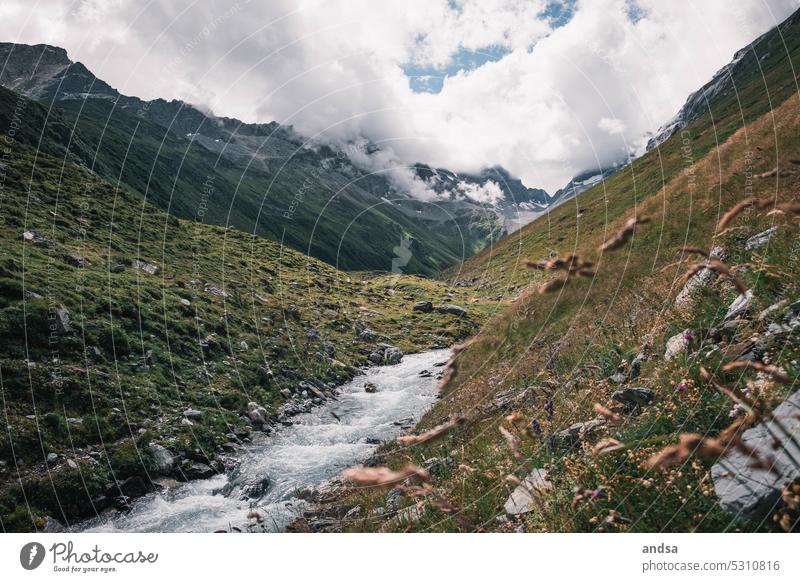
[546,89]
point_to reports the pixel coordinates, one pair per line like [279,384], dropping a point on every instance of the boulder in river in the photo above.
[198,471]
[257,414]
[163,459]
[370,388]
[392,356]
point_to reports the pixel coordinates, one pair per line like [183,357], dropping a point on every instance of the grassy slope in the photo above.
[565,344]
[290,310]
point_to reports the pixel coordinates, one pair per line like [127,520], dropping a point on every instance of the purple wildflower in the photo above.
[682,387]
[548,408]
[536,427]
[688,335]
[551,442]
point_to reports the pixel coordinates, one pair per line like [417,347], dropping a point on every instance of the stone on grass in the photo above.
[522,499]
[633,398]
[451,309]
[752,492]
[760,239]
[677,345]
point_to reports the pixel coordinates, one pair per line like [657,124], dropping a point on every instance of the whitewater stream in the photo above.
[316,447]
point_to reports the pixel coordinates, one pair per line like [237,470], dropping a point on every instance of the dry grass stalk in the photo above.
[606,413]
[740,207]
[553,285]
[785,208]
[466,468]
[568,263]
[451,370]
[427,491]
[382,476]
[773,371]
[719,267]
[512,442]
[735,211]
[433,433]
[623,235]
[694,251]
[515,417]
[689,444]
[606,446]
[734,394]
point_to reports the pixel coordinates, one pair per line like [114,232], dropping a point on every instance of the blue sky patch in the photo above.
[428,79]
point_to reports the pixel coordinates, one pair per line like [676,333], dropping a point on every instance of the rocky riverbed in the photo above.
[259,493]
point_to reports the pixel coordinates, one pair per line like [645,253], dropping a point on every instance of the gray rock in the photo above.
[393,499]
[257,414]
[618,378]
[760,239]
[636,366]
[451,309]
[423,306]
[72,464]
[370,388]
[676,345]
[75,260]
[376,358]
[63,322]
[523,498]
[163,459]
[404,423]
[698,281]
[133,487]
[509,398]
[117,268]
[570,437]
[192,414]
[633,398]
[392,356]
[367,335]
[52,458]
[772,310]
[35,238]
[740,305]
[149,268]
[198,471]
[752,492]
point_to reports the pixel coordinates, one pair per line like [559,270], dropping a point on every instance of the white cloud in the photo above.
[558,102]
[611,125]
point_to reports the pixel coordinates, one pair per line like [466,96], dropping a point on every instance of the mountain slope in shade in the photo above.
[261,178]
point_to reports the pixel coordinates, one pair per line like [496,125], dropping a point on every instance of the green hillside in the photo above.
[103,354]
